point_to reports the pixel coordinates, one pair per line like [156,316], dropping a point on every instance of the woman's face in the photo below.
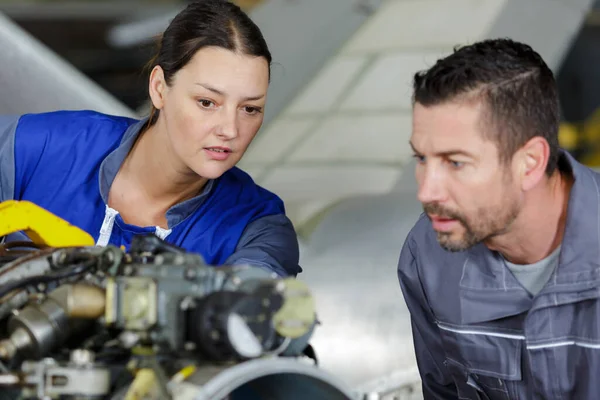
[213,108]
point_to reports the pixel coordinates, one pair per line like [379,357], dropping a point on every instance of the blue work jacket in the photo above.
[66,161]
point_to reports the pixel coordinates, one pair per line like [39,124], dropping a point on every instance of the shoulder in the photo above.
[70,123]
[421,236]
[249,190]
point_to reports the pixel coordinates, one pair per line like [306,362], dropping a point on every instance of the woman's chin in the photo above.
[210,173]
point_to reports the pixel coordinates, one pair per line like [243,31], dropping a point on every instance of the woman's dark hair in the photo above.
[203,23]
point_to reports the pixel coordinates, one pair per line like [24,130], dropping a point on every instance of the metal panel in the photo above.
[303,35]
[556,25]
[34,79]
[350,264]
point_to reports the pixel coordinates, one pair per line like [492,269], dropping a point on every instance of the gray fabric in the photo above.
[533,277]
[8,126]
[478,334]
[269,242]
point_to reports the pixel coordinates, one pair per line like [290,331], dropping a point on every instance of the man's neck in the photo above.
[539,228]
[153,170]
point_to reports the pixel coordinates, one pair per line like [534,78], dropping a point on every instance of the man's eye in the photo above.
[419,158]
[456,164]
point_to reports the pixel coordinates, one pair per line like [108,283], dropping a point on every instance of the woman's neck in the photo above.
[153,175]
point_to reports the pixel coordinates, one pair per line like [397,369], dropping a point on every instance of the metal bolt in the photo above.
[280,286]
[129,339]
[82,357]
[190,346]
[187,303]
[7,350]
[62,258]
[190,273]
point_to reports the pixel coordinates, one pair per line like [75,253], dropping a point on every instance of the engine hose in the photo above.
[37,279]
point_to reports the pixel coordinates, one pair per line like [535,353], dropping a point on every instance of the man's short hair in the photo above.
[516,86]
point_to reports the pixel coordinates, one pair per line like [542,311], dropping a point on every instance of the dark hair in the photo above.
[205,23]
[517,87]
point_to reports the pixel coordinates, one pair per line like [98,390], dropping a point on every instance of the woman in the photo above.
[173,173]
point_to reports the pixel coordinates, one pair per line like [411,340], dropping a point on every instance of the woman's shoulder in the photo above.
[237,177]
[74,120]
[56,133]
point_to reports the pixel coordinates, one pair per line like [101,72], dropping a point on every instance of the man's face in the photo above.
[467,193]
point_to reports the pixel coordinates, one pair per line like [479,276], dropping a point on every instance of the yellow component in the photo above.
[298,313]
[568,136]
[41,226]
[591,128]
[144,386]
[183,374]
[143,351]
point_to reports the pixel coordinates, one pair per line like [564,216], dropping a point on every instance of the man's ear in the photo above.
[533,159]
[157,87]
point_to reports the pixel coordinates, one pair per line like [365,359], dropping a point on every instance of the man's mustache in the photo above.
[439,211]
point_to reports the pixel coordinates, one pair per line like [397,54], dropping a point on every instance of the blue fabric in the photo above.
[58,158]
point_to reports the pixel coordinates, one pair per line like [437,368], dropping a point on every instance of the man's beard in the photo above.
[484,225]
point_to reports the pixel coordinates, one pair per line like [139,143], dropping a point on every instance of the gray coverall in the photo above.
[478,334]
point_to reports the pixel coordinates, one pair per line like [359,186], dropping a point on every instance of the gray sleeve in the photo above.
[8,127]
[271,243]
[436,382]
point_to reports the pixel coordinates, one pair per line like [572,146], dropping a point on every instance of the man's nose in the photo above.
[431,186]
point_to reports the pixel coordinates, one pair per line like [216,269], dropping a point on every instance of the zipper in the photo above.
[107,226]
[161,232]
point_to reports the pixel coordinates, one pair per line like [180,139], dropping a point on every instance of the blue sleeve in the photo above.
[8,127]
[269,242]
[437,383]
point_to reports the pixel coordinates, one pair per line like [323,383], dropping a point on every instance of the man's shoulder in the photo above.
[422,235]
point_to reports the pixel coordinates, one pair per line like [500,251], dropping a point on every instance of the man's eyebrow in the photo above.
[446,153]
[412,146]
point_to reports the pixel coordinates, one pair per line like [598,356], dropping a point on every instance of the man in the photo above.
[502,271]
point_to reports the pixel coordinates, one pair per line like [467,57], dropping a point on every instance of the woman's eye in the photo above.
[206,103]
[252,110]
